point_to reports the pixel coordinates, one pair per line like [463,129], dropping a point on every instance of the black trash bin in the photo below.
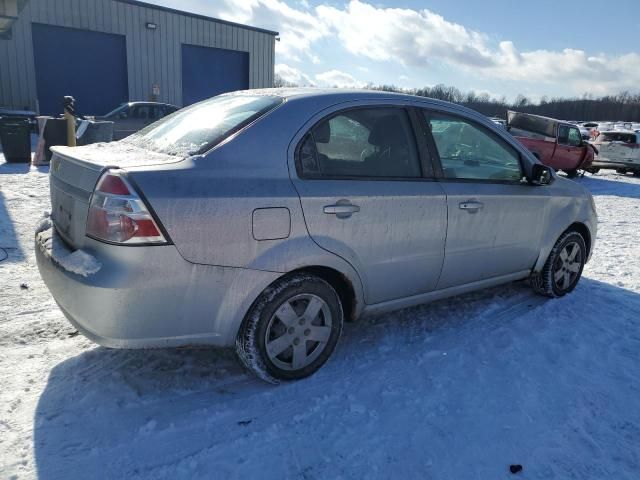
[97,131]
[55,133]
[15,136]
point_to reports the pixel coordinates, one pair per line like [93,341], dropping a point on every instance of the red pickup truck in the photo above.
[555,143]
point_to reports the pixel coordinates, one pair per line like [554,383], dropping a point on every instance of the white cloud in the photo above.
[405,35]
[298,27]
[336,78]
[418,38]
[293,75]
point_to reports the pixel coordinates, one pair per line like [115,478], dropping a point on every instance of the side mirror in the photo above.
[540,174]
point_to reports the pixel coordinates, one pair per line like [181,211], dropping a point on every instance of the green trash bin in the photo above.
[15,136]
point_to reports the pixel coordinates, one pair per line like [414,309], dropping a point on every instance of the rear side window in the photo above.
[195,129]
[366,142]
[164,111]
[141,112]
[469,151]
[617,137]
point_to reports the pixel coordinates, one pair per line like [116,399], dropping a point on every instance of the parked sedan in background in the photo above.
[619,150]
[131,117]
[555,143]
[264,219]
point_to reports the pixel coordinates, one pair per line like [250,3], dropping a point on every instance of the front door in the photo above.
[366,199]
[494,220]
[570,149]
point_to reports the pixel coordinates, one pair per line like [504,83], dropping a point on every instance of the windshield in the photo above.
[195,129]
[115,112]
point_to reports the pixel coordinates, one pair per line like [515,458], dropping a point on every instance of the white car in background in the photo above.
[619,150]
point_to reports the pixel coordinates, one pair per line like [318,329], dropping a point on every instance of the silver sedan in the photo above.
[262,220]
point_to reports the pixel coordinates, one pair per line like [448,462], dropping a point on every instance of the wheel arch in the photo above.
[577,226]
[341,283]
[583,230]
[351,298]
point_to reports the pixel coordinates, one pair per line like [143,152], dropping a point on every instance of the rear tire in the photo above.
[572,173]
[291,330]
[563,268]
[621,171]
[593,170]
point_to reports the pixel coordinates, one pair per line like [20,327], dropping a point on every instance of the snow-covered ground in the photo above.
[459,389]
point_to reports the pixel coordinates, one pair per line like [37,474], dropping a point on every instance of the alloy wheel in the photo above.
[298,331]
[567,266]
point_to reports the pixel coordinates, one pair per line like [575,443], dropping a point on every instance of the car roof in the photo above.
[151,103]
[325,97]
[334,93]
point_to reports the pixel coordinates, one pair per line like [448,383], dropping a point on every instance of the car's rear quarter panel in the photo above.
[207,203]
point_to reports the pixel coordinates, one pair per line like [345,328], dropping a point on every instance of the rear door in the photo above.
[368,195]
[494,220]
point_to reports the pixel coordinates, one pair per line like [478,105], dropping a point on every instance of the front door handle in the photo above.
[471,207]
[341,210]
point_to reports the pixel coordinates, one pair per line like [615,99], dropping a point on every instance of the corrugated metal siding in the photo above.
[153,56]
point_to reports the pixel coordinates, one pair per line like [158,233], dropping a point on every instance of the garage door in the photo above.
[207,72]
[90,66]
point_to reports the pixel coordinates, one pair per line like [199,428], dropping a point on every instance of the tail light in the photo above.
[118,215]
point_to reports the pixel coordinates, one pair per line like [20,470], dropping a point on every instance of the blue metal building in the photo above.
[104,52]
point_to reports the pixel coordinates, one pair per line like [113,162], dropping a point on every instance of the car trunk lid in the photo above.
[73,176]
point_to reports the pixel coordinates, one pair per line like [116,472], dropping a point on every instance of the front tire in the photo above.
[572,173]
[291,330]
[563,267]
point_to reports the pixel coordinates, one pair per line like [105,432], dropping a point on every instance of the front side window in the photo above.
[575,139]
[365,142]
[567,135]
[469,151]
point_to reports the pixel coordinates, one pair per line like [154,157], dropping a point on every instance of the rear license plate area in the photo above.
[63,213]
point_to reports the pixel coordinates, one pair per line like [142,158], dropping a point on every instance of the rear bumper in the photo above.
[148,297]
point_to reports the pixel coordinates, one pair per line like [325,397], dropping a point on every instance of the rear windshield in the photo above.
[195,129]
[617,137]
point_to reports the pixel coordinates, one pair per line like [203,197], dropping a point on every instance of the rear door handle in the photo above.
[472,207]
[341,210]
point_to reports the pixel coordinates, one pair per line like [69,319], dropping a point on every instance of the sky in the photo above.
[501,47]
